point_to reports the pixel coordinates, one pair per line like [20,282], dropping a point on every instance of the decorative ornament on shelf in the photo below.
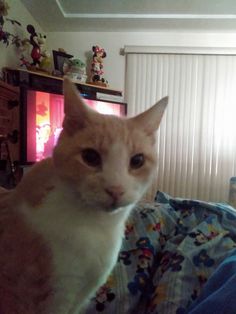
[97,66]
[76,69]
[40,56]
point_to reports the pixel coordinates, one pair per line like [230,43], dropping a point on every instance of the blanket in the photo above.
[218,295]
[170,250]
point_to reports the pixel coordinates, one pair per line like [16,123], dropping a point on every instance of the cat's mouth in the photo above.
[114,205]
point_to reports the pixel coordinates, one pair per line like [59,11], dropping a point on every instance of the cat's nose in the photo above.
[115,192]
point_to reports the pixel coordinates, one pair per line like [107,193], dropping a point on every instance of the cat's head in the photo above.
[108,161]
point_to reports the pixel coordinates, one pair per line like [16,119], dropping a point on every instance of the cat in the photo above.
[61,228]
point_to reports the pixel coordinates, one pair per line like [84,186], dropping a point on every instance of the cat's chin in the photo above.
[117,207]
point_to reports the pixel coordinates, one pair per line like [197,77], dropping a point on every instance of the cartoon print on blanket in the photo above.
[171,248]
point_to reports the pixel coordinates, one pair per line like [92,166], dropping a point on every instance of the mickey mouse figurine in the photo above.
[97,66]
[36,41]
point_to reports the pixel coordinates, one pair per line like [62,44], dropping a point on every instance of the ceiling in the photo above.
[133,15]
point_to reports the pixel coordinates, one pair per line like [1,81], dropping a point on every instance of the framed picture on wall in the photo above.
[60,59]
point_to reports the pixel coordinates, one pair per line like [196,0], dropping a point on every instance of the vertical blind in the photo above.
[196,142]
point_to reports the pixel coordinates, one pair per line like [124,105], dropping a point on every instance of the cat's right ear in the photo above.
[150,119]
[76,111]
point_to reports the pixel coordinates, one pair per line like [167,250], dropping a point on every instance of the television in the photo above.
[43,116]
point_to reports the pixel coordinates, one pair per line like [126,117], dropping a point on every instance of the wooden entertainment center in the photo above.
[13,99]
[9,134]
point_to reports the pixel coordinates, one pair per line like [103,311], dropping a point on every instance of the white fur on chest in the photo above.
[84,245]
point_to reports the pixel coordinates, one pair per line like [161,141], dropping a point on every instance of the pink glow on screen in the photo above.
[45,114]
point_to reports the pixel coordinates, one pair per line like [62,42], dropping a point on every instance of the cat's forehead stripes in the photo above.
[110,130]
[103,131]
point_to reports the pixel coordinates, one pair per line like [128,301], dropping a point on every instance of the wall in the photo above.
[9,56]
[79,44]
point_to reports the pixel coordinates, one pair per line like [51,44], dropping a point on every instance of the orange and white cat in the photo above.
[61,228]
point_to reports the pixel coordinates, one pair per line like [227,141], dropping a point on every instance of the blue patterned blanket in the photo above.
[173,260]
[218,295]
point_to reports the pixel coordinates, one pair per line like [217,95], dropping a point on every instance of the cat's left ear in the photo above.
[150,119]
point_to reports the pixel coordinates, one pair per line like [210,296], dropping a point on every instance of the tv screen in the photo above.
[44,116]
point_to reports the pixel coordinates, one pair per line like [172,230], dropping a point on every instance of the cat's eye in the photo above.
[91,157]
[137,161]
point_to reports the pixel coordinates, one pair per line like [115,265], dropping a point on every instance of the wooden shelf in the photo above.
[53,84]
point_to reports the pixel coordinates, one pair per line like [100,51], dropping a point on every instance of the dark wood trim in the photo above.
[42,81]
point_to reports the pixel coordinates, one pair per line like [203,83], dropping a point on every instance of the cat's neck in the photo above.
[37,183]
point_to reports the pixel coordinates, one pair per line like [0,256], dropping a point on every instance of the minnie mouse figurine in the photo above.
[97,65]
